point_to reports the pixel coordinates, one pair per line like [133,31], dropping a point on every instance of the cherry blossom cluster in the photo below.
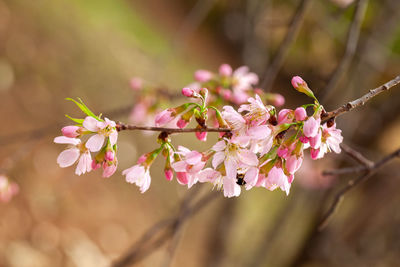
[258,146]
[90,135]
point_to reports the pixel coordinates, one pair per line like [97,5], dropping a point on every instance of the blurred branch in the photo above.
[351,45]
[356,155]
[360,101]
[353,183]
[145,246]
[294,26]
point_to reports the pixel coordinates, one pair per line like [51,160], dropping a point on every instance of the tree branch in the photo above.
[360,101]
[296,21]
[352,183]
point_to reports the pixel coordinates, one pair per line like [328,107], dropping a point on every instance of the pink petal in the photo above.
[90,124]
[231,188]
[248,157]
[219,146]
[251,177]
[95,142]
[113,137]
[68,157]
[231,167]
[218,159]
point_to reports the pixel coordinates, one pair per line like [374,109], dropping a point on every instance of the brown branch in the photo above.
[145,245]
[294,26]
[121,127]
[360,101]
[357,156]
[353,183]
[351,45]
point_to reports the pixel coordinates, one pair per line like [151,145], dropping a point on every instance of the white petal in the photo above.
[248,157]
[219,146]
[95,142]
[113,137]
[68,157]
[231,168]
[231,188]
[218,159]
[90,124]
[66,140]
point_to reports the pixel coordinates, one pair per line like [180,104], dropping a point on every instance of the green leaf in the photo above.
[79,121]
[84,108]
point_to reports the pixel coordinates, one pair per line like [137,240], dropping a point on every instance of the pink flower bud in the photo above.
[70,131]
[304,139]
[181,123]
[297,81]
[168,174]
[300,114]
[142,159]
[136,84]
[202,76]
[293,163]
[225,70]
[95,165]
[284,116]
[109,156]
[202,136]
[164,117]
[187,92]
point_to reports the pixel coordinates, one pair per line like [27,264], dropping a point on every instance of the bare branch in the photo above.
[360,101]
[351,45]
[357,155]
[296,21]
[351,184]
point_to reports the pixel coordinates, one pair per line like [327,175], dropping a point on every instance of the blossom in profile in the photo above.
[139,175]
[191,163]
[8,189]
[76,151]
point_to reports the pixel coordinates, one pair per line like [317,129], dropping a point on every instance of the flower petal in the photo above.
[90,124]
[95,142]
[68,157]
[67,140]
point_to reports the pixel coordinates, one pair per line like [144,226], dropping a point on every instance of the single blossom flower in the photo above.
[139,175]
[311,127]
[191,163]
[76,152]
[330,141]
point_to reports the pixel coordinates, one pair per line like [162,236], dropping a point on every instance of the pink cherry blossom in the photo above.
[293,163]
[277,178]
[8,189]
[257,112]
[243,79]
[76,151]
[285,116]
[202,136]
[109,168]
[139,175]
[191,163]
[225,70]
[297,81]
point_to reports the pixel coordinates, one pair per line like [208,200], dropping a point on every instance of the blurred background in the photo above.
[90,49]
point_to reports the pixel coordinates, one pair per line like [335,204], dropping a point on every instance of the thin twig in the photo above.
[360,101]
[121,127]
[294,26]
[351,45]
[351,184]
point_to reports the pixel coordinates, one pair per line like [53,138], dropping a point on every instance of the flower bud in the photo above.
[285,116]
[108,169]
[70,131]
[142,158]
[226,94]
[95,165]
[168,174]
[187,92]
[300,85]
[300,114]
[225,70]
[202,136]
[311,126]
[109,155]
[181,123]
[182,178]
[202,76]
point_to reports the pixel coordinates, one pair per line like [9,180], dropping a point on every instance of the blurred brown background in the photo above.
[50,50]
